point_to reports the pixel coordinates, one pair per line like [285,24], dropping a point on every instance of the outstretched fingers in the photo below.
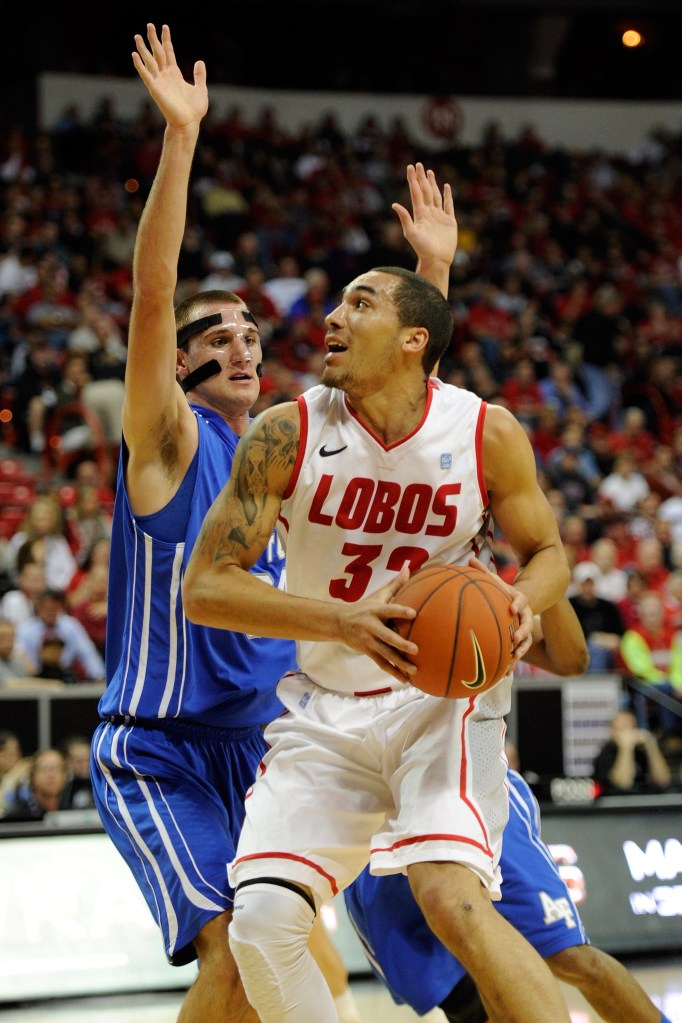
[155,57]
[167,46]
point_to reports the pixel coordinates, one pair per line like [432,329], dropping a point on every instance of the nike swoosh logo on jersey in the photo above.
[337,451]
[480,678]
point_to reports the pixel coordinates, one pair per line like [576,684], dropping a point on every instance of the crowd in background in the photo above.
[566,294]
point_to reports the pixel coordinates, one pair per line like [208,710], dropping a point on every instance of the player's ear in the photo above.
[181,366]
[416,340]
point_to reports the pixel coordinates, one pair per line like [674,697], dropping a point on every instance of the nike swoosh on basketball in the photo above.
[480,678]
[337,451]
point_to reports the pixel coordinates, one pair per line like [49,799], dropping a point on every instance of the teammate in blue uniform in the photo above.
[416,967]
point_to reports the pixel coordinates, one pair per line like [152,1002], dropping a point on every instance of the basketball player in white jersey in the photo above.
[378,468]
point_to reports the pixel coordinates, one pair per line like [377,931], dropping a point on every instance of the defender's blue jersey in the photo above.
[405,953]
[158,664]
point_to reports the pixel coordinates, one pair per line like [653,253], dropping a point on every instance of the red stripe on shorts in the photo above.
[290,856]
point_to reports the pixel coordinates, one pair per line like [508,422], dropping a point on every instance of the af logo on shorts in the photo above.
[556,910]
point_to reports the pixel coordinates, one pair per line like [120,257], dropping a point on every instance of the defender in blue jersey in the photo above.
[180,739]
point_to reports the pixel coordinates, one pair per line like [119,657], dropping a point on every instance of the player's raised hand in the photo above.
[431,228]
[181,103]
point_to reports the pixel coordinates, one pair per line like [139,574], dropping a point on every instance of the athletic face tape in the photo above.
[237,320]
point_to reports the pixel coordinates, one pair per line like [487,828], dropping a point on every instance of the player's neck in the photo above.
[392,413]
[236,418]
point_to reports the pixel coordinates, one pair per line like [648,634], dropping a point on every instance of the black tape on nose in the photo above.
[197,376]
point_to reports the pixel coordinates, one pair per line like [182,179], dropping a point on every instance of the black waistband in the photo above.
[190,729]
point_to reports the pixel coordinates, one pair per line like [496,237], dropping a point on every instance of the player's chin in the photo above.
[245,388]
[333,376]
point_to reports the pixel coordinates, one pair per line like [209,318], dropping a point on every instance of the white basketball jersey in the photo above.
[357,510]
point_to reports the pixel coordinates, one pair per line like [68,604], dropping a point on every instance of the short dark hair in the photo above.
[420,304]
[187,311]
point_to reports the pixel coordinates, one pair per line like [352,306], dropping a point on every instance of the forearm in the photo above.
[658,766]
[544,578]
[622,774]
[162,224]
[560,646]
[230,598]
[437,271]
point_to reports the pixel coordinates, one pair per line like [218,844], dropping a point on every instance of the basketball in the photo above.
[464,629]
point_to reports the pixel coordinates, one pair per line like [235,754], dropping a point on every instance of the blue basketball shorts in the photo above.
[172,802]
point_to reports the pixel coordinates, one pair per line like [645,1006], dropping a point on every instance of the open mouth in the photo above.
[334,346]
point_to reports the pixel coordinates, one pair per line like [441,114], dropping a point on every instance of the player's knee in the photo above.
[268,935]
[452,900]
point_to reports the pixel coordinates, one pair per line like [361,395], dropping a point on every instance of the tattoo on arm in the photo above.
[262,465]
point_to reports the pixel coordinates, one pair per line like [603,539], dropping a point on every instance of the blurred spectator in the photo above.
[388,248]
[633,437]
[611,584]
[261,306]
[670,511]
[12,664]
[248,251]
[599,328]
[91,607]
[649,561]
[96,556]
[97,332]
[87,472]
[573,442]
[599,619]
[49,667]
[17,269]
[287,285]
[625,486]
[221,276]
[560,389]
[652,653]
[35,387]
[672,599]
[522,393]
[53,312]
[317,301]
[615,527]
[567,476]
[86,522]
[573,530]
[42,792]
[546,437]
[600,445]
[58,409]
[79,656]
[661,473]
[14,766]
[20,604]
[77,793]
[629,604]
[631,761]
[45,522]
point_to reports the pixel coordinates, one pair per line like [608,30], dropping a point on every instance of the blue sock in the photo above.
[664,1019]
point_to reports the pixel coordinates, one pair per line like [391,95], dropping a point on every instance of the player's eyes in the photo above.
[225,339]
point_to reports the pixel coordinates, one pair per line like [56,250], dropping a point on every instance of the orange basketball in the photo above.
[464,629]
